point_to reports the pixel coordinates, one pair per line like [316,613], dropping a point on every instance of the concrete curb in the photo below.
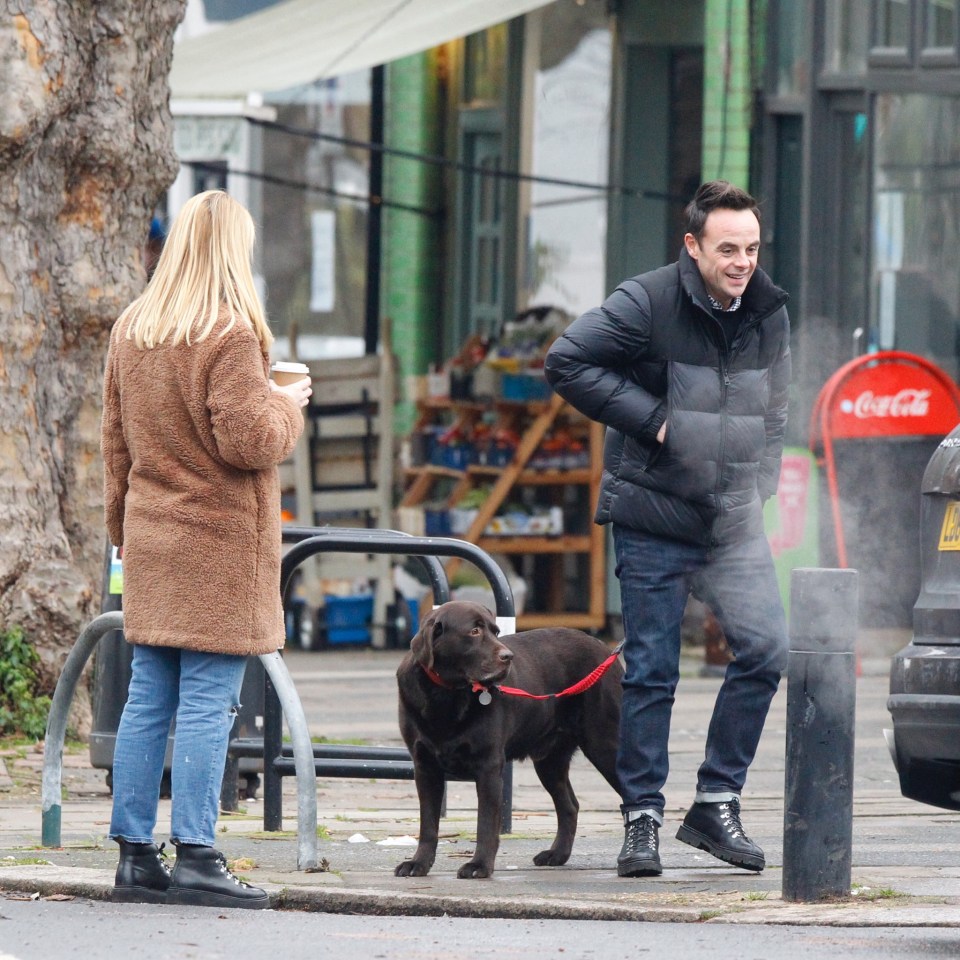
[96,884]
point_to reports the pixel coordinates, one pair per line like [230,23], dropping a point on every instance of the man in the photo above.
[688,367]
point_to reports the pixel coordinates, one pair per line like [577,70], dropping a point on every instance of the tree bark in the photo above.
[85,153]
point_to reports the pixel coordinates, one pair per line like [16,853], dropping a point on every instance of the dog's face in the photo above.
[458,641]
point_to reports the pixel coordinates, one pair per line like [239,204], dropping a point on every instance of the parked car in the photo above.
[925,676]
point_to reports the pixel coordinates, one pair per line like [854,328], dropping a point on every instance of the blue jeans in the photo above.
[737,581]
[202,690]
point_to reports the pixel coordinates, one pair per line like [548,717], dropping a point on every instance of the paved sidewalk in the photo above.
[906,856]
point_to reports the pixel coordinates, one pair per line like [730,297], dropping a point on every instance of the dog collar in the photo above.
[485,695]
[435,677]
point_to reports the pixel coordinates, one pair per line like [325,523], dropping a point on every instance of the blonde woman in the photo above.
[192,433]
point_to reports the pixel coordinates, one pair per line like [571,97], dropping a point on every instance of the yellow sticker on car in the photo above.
[950,531]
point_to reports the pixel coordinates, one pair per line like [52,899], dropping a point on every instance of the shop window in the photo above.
[940,29]
[847,36]
[564,262]
[315,240]
[792,58]
[916,225]
[209,175]
[485,65]
[892,33]
[893,24]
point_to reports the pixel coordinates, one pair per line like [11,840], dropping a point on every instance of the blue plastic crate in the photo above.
[348,618]
[524,386]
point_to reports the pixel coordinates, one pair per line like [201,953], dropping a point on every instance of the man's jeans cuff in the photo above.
[703,796]
[630,815]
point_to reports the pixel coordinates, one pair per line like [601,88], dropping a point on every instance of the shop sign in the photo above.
[885,399]
[880,396]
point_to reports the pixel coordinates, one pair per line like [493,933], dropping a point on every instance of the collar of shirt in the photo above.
[734,304]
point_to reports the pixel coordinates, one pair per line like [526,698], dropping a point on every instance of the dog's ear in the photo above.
[422,644]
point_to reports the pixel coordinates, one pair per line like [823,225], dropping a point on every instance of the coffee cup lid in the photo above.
[290,366]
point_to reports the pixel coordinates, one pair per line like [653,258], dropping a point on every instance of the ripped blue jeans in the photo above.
[200,690]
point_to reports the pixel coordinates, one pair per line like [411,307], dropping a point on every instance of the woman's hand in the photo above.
[299,391]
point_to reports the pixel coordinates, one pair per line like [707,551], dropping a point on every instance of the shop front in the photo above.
[861,165]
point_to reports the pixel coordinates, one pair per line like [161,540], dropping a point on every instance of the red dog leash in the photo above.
[579,687]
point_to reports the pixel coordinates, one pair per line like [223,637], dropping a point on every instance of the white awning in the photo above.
[300,41]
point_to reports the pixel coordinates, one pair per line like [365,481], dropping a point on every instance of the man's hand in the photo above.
[662,432]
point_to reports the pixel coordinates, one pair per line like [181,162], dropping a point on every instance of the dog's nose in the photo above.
[506,654]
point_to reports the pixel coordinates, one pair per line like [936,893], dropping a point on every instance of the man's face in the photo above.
[726,253]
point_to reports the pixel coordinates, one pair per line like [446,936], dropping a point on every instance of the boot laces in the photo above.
[730,818]
[641,834]
[162,860]
[228,873]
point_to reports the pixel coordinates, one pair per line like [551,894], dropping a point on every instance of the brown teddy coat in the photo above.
[191,438]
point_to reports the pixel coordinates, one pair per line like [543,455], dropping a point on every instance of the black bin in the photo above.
[111,678]
[925,676]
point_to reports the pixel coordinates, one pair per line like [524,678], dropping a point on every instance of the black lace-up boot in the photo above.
[640,856]
[142,874]
[716,828]
[201,878]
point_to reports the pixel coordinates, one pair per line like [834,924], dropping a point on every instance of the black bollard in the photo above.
[821,702]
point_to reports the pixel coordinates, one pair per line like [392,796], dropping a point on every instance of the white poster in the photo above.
[323,230]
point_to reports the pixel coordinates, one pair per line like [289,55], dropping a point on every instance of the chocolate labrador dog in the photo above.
[459,722]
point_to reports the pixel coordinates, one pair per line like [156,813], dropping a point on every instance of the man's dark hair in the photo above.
[716,195]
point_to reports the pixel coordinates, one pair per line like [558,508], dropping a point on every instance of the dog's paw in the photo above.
[551,858]
[474,870]
[412,868]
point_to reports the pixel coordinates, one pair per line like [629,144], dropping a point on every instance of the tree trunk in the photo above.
[85,153]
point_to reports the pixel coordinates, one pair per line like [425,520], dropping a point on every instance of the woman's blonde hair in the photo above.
[203,272]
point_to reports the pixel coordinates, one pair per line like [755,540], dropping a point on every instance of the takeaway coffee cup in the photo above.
[284,372]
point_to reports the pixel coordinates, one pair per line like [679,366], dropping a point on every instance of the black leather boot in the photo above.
[142,875]
[640,854]
[201,878]
[716,828]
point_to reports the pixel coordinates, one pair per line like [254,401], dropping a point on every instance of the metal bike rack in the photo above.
[52,778]
[285,698]
[348,761]
[330,760]
[432,566]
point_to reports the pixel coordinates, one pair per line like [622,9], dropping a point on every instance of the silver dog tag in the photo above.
[485,697]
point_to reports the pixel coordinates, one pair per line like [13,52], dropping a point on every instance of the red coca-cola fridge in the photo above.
[873,429]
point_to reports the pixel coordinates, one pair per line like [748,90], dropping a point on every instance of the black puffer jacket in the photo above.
[654,351]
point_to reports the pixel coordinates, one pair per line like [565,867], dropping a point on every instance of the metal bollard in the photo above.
[821,701]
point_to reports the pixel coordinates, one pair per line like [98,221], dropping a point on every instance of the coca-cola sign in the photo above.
[889,395]
[886,394]
[904,403]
